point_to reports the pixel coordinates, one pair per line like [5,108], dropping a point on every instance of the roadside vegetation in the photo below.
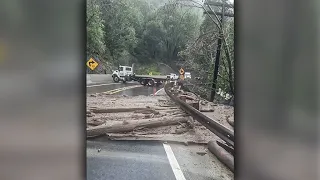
[176,33]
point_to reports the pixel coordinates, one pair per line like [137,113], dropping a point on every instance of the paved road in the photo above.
[148,160]
[97,83]
[99,78]
[130,89]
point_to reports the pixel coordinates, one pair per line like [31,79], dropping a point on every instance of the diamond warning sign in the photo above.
[92,64]
[181,71]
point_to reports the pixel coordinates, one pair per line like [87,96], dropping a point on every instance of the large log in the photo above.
[132,125]
[231,122]
[187,97]
[207,110]
[117,110]
[224,156]
[96,122]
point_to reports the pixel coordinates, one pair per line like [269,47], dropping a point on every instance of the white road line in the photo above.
[158,91]
[101,85]
[106,84]
[174,163]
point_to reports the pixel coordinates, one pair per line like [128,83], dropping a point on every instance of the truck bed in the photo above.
[162,77]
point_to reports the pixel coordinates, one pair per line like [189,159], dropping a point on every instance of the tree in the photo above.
[121,20]
[200,54]
[95,32]
[167,31]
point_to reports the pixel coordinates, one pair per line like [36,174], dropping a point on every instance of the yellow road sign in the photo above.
[92,64]
[181,71]
[181,77]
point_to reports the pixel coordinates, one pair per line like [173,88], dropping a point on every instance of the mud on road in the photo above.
[150,118]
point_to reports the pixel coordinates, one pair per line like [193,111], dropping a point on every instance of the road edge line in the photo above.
[123,89]
[158,91]
[95,85]
[174,163]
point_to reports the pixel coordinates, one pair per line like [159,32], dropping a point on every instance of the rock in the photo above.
[147,116]
[201,153]
[181,131]
[125,122]
[95,122]
[203,102]
[99,150]
[232,101]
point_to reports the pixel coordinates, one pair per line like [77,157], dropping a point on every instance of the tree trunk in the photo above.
[230,74]
[117,110]
[224,156]
[136,110]
[132,125]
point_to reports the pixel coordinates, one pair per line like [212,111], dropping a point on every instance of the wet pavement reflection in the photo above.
[143,90]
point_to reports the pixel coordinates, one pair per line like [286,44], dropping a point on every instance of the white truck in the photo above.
[173,76]
[187,75]
[125,73]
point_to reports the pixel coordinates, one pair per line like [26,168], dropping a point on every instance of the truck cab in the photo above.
[187,75]
[123,73]
[172,76]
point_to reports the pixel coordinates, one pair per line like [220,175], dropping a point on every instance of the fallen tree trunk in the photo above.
[206,110]
[96,122]
[132,125]
[117,110]
[230,122]
[147,111]
[188,97]
[224,156]
[169,138]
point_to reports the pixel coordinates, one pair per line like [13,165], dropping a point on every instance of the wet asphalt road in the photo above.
[124,160]
[148,160]
[119,87]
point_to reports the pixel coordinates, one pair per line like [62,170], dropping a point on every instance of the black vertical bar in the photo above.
[217,61]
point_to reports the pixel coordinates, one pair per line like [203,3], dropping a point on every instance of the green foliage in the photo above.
[149,32]
[148,69]
[120,19]
[95,32]
[167,32]
[223,80]
[200,57]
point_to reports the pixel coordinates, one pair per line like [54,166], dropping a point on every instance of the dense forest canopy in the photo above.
[172,32]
